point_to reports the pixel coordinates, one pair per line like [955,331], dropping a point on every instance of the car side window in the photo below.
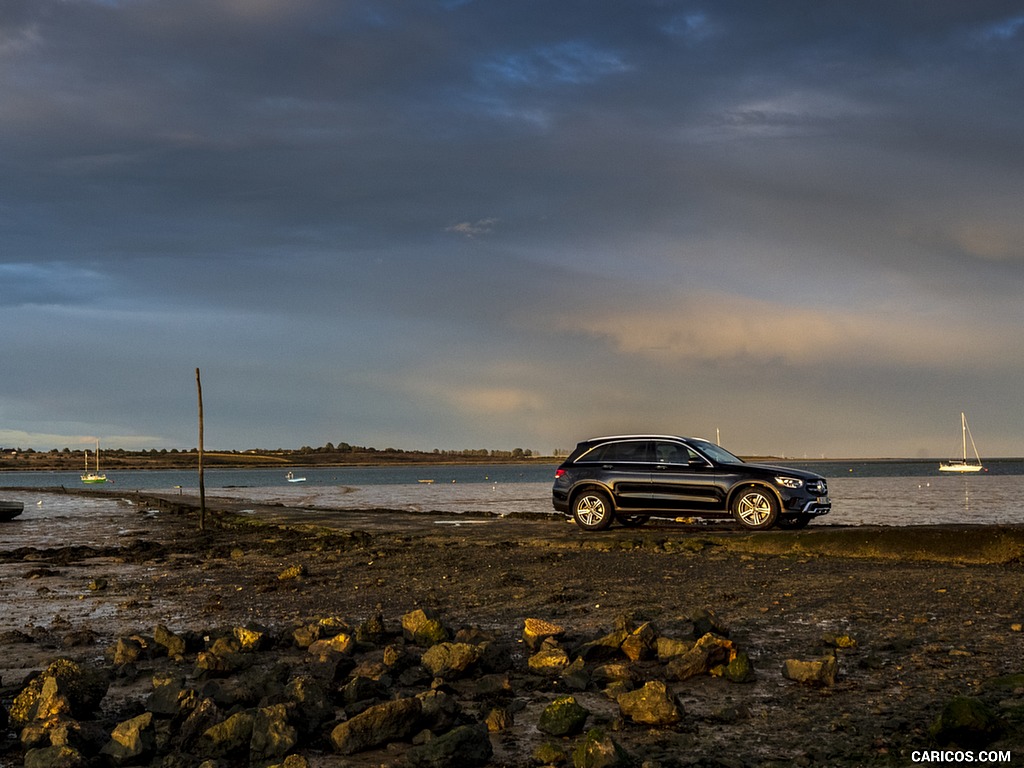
[629,451]
[672,453]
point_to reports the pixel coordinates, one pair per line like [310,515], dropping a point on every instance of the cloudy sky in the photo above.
[484,224]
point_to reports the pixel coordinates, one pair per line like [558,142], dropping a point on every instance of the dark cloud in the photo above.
[414,222]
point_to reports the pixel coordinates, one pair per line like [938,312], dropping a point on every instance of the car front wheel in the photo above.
[592,511]
[755,509]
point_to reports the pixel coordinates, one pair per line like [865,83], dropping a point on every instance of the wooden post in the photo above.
[202,485]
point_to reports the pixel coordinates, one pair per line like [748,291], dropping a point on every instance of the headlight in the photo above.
[789,482]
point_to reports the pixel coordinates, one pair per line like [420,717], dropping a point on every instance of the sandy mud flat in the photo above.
[915,617]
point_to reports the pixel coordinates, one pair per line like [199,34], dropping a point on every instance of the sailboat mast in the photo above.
[963,431]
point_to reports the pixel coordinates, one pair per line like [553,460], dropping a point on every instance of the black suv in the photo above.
[632,477]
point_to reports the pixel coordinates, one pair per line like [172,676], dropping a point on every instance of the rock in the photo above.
[966,722]
[229,738]
[251,639]
[391,721]
[549,661]
[650,705]
[372,630]
[439,711]
[641,643]
[131,741]
[844,642]
[706,621]
[313,707]
[292,573]
[424,628]
[575,677]
[563,717]
[706,653]
[342,644]
[600,750]
[172,644]
[450,659]
[68,688]
[306,635]
[817,672]
[54,757]
[613,672]
[467,746]
[536,631]
[550,753]
[127,650]
[604,647]
[167,698]
[739,669]
[499,719]
[669,647]
[272,734]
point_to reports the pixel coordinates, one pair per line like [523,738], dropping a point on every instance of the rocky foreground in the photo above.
[521,644]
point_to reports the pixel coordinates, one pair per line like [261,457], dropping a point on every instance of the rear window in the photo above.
[625,451]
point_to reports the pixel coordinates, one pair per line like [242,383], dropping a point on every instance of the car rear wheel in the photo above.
[632,521]
[755,508]
[592,511]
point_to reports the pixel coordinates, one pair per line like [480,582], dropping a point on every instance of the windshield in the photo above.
[716,452]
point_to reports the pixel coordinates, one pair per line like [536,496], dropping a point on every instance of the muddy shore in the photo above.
[935,613]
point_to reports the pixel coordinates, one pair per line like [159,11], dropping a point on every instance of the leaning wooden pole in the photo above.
[202,484]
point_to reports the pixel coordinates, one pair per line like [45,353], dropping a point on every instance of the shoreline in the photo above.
[924,632]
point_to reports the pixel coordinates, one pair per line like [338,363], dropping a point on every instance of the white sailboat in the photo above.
[93,477]
[961,464]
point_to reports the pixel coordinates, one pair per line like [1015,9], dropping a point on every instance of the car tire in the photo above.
[632,521]
[755,508]
[592,510]
[794,522]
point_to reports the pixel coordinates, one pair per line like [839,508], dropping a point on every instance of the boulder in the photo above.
[131,741]
[173,645]
[54,757]
[391,721]
[312,704]
[966,722]
[230,738]
[816,672]
[499,719]
[600,750]
[439,711]
[641,643]
[71,688]
[342,644]
[251,639]
[669,647]
[739,669]
[650,705]
[709,651]
[292,572]
[450,660]
[372,630]
[272,735]
[467,746]
[549,661]
[604,647]
[707,621]
[563,717]
[424,627]
[536,631]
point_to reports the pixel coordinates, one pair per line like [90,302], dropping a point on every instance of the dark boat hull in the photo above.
[10,510]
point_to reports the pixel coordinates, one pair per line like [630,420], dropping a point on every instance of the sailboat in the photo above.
[93,477]
[961,464]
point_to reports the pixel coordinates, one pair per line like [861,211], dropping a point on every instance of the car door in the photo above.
[682,480]
[624,466]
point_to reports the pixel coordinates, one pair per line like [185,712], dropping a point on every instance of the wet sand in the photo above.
[935,611]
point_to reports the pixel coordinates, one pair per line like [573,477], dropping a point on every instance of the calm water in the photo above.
[863,492]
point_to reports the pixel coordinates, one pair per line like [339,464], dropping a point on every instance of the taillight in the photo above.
[559,473]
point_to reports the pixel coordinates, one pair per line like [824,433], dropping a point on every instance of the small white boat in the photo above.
[92,478]
[291,478]
[962,465]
